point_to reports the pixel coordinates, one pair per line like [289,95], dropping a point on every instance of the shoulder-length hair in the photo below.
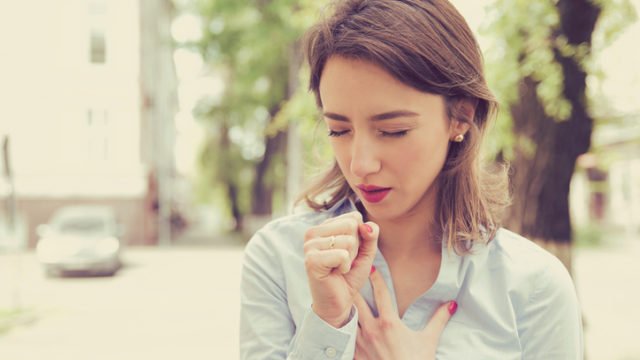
[425,44]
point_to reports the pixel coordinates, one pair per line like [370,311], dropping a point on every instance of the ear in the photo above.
[464,109]
[458,127]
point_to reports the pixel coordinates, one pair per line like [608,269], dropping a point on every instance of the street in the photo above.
[167,303]
[183,303]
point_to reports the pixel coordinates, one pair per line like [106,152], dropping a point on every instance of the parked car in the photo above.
[80,239]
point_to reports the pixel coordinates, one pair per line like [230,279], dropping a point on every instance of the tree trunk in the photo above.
[294,159]
[263,186]
[276,145]
[230,179]
[546,150]
[232,192]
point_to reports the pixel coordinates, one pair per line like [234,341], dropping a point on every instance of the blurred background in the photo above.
[144,141]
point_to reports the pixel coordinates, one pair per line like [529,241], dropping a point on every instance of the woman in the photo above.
[404,258]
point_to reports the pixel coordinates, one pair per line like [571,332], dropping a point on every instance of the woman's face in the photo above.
[390,140]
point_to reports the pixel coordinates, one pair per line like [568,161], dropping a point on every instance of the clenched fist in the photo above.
[338,258]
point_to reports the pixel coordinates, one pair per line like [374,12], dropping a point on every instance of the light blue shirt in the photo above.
[515,300]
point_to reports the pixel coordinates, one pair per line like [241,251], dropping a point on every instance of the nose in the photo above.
[364,157]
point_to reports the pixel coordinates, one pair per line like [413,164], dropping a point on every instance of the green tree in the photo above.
[254,45]
[540,62]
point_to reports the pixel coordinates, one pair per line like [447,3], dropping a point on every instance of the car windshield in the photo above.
[85,225]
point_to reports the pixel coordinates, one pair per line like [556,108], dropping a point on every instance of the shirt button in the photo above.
[330,352]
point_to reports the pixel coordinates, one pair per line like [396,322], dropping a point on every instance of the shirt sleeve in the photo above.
[550,327]
[267,329]
[316,339]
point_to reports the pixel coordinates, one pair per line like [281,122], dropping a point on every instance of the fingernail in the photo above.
[369,228]
[373,269]
[453,306]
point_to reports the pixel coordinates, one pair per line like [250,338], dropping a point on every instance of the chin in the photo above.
[392,210]
[381,212]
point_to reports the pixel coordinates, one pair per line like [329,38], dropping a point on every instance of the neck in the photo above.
[415,233]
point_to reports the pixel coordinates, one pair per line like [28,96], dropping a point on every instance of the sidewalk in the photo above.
[608,285]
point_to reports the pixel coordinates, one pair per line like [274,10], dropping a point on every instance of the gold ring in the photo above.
[332,242]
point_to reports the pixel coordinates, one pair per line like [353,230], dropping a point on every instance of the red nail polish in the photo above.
[373,268]
[369,228]
[453,306]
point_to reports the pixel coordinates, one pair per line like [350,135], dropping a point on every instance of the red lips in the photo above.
[373,193]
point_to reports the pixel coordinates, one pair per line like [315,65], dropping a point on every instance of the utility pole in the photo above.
[10,205]
[14,242]
[159,85]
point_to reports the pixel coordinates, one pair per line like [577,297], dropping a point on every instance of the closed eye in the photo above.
[394,133]
[337,133]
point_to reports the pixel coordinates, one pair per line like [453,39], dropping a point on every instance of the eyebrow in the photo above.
[379,117]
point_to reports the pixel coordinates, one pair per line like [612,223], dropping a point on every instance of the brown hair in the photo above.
[425,44]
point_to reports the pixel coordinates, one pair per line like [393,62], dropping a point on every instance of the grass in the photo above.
[588,236]
[10,318]
[597,235]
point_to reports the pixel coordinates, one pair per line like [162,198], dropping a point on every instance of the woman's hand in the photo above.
[338,258]
[387,337]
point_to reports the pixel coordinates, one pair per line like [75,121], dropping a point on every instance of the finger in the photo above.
[319,264]
[357,355]
[343,226]
[382,296]
[356,215]
[360,344]
[439,320]
[369,242]
[347,242]
[365,316]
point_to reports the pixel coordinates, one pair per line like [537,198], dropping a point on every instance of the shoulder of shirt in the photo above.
[296,221]
[538,284]
[522,258]
[286,231]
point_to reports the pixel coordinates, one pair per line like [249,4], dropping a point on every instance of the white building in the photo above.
[87,86]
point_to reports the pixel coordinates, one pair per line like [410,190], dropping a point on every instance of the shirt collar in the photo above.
[345,205]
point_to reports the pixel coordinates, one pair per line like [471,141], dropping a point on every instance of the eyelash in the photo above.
[334,133]
[395,134]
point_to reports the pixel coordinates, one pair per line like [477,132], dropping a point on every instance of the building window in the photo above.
[97,31]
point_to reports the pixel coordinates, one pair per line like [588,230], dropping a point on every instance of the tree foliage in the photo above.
[523,38]
[251,44]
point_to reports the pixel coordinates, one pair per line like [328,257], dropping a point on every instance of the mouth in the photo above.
[373,193]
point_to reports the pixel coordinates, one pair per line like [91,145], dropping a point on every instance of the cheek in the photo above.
[419,160]
[341,154]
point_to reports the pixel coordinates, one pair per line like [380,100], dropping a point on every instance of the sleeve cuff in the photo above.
[316,339]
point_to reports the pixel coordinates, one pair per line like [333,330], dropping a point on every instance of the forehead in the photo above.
[358,85]
[342,73]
